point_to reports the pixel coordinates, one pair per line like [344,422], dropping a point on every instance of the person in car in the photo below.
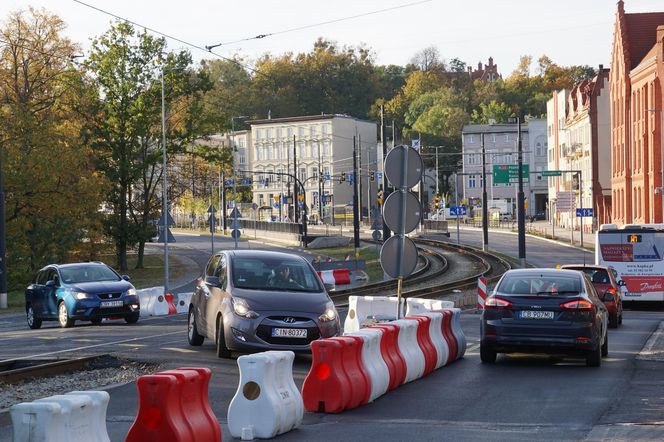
[281,277]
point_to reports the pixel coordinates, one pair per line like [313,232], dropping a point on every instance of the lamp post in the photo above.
[661,153]
[164,213]
[223,212]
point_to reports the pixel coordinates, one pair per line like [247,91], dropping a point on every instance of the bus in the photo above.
[635,252]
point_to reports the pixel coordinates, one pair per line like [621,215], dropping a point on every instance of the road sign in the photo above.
[457,211]
[211,209]
[565,201]
[349,177]
[236,213]
[379,176]
[376,235]
[394,162]
[415,144]
[213,221]
[169,218]
[552,172]
[326,176]
[392,210]
[246,181]
[509,173]
[235,234]
[228,182]
[390,257]
[171,238]
[585,211]
[236,225]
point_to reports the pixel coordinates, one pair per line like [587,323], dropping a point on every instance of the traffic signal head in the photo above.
[343,176]
[372,175]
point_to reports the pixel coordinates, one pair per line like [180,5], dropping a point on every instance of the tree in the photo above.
[52,189]
[497,111]
[428,59]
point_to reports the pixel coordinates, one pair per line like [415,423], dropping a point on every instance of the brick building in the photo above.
[487,74]
[637,106]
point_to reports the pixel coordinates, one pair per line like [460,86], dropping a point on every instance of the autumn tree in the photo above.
[53,192]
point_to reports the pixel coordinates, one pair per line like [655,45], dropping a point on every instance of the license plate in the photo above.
[289,333]
[106,304]
[536,314]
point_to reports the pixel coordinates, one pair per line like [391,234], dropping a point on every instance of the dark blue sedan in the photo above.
[87,291]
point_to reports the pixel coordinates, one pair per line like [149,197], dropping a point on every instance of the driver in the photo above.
[282,276]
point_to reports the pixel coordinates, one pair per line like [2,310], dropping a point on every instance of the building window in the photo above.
[243,159]
[313,131]
[326,129]
[280,132]
[314,172]
[493,138]
[303,174]
[471,139]
[326,148]
[270,152]
[507,138]
[300,131]
[259,134]
[269,132]
[290,133]
[471,181]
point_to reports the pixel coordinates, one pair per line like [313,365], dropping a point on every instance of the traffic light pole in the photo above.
[485,203]
[520,200]
[356,217]
[383,136]
[295,201]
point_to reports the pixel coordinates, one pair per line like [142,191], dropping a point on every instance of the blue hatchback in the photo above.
[87,291]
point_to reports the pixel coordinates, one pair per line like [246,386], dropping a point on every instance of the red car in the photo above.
[607,287]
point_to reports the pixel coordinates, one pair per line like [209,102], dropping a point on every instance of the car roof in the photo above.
[542,271]
[261,254]
[589,266]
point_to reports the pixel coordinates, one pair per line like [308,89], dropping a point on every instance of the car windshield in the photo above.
[540,284]
[597,276]
[88,273]
[260,273]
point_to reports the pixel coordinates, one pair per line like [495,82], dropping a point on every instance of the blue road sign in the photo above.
[326,176]
[229,182]
[246,181]
[584,212]
[349,177]
[379,176]
[457,211]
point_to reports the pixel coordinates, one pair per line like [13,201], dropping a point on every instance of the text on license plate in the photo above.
[535,314]
[289,333]
[111,304]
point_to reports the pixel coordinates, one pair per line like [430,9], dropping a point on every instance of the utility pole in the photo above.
[485,203]
[359,172]
[383,136]
[356,217]
[165,184]
[520,200]
[295,190]
[456,203]
[320,183]
[437,170]
[3,244]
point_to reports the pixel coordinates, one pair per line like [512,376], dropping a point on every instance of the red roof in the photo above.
[642,34]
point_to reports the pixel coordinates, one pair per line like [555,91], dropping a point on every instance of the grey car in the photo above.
[254,300]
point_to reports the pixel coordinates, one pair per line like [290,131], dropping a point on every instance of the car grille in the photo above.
[113,311]
[109,295]
[265,333]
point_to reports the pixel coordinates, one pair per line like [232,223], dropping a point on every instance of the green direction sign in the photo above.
[509,173]
[552,173]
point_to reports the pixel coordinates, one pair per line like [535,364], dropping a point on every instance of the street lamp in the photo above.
[661,154]
[239,117]
[164,210]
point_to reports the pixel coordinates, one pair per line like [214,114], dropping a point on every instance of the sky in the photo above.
[570,32]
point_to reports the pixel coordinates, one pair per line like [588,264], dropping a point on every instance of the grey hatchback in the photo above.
[253,300]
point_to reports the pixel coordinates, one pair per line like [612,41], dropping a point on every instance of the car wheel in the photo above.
[613,321]
[192,332]
[222,350]
[594,358]
[605,346]
[33,322]
[96,321]
[63,316]
[620,318]
[487,354]
[132,319]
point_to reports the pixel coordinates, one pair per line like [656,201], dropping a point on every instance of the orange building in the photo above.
[637,115]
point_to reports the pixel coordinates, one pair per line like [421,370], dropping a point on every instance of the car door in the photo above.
[203,295]
[35,293]
[602,312]
[217,292]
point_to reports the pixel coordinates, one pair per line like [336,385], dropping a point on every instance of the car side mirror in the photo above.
[212,280]
[50,283]
[608,297]
[126,277]
[622,283]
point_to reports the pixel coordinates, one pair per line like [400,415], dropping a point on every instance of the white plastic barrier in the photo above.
[437,338]
[417,306]
[182,301]
[100,401]
[267,403]
[79,420]
[410,349]
[362,308]
[327,277]
[152,301]
[374,364]
[458,332]
[38,421]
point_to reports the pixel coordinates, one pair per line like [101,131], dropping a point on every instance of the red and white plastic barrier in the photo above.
[182,302]
[481,293]
[336,276]
[365,309]
[410,349]
[417,306]
[375,365]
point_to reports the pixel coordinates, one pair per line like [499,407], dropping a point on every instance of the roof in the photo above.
[304,118]
[641,34]
[492,128]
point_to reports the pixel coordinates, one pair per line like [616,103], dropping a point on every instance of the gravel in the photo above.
[101,373]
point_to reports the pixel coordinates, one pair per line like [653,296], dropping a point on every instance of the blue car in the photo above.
[87,291]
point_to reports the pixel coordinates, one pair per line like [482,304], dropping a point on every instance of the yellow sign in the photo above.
[633,238]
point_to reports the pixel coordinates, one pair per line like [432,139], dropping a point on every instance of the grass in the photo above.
[370,254]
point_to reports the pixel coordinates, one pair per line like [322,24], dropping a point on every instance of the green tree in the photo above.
[496,111]
[52,190]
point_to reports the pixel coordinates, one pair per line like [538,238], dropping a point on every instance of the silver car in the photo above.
[253,300]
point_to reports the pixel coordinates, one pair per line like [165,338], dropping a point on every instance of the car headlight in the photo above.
[131,292]
[81,295]
[330,313]
[242,309]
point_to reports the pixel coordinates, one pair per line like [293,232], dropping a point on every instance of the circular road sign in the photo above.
[394,207]
[389,257]
[394,163]
[376,235]
[235,234]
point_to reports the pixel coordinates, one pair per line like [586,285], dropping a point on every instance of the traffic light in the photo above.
[372,175]
[343,176]
[380,198]
[436,200]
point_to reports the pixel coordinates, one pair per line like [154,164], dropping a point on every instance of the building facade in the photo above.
[637,106]
[318,151]
[579,139]
[500,144]
[487,74]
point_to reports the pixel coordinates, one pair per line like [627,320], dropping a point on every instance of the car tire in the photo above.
[594,358]
[620,318]
[222,350]
[487,354]
[605,346]
[63,316]
[193,337]
[613,321]
[33,322]
[132,319]
[96,321]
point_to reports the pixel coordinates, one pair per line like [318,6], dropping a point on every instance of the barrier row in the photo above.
[367,310]
[77,416]
[154,302]
[357,368]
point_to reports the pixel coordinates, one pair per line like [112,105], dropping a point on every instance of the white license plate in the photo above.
[535,314]
[106,304]
[289,333]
